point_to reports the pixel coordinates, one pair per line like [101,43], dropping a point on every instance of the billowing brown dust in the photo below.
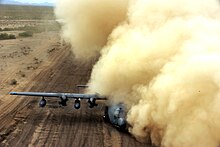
[160,57]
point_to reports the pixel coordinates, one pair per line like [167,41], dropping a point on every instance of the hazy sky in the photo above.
[36,1]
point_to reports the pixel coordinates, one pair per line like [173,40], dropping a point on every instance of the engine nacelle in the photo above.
[63,101]
[42,102]
[92,103]
[77,104]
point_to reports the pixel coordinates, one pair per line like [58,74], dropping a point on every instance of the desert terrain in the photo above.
[45,63]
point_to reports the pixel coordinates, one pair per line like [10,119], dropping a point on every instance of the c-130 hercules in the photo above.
[115,114]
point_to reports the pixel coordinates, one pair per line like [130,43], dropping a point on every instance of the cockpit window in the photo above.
[117,113]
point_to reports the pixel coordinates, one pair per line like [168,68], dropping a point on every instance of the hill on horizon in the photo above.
[14,2]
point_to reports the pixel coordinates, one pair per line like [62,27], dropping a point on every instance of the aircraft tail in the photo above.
[82,86]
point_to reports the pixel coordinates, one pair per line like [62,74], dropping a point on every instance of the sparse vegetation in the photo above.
[37,61]
[23,75]
[32,67]
[50,50]
[34,29]
[38,19]
[40,28]
[5,36]
[11,36]
[12,12]
[26,34]
[26,50]
[13,82]
[6,29]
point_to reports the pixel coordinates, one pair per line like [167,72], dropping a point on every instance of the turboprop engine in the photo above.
[77,104]
[92,103]
[42,102]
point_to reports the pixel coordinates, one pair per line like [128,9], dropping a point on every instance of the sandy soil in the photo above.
[42,63]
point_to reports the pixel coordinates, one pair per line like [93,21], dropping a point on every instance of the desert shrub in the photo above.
[13,82]
[13,12]
[23,75]
[53,27]
[0,29]
[4,36]
[40,28]
[26,34]
[11,36]
[34,29]
[7,29]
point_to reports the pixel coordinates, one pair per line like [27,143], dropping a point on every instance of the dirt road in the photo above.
[51,67]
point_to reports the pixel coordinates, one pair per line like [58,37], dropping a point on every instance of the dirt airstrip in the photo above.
[43,63]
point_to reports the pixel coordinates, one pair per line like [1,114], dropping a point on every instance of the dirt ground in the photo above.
[43,63]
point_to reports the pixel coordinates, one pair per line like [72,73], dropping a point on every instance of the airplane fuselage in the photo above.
[116,115]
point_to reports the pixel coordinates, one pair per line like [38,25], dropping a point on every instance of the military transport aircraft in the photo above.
[115,114]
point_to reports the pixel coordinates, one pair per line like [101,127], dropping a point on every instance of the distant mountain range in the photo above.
[14,2]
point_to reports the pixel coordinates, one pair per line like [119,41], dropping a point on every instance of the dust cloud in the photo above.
[86,23]
[159,57]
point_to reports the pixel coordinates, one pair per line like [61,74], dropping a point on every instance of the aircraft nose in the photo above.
[122,123]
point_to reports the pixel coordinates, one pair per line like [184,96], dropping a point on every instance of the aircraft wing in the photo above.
[64,97]
[61,95]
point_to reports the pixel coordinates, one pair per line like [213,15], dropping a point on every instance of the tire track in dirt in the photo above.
[19,107]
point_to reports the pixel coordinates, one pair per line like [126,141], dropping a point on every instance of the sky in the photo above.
[35,1]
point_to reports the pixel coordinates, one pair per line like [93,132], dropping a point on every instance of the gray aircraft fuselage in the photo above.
[116,115]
